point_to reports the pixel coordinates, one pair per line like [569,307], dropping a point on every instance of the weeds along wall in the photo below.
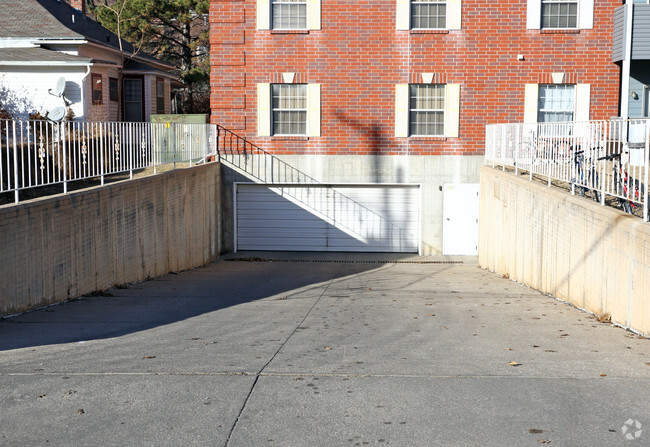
[595,257]
[62,247]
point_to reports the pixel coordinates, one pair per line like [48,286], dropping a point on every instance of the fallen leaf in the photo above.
[605,318]
[282,298]
[535,431]
[564,335]
[328,349]
[603,375]
[431,315]
[514,364]
[80,411]
[535,346]
[508,349]
[149,357]
[195,338]
[549,350]
[506,276]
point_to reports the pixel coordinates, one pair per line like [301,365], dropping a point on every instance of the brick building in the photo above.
[399,91]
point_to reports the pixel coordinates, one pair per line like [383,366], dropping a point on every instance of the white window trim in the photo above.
[577,2]
[265,16]
[424,29]
[585,15]
[304,2]
[403,16]
[451,112]
[442,110]
[277,110]
[265,112]
[581,104]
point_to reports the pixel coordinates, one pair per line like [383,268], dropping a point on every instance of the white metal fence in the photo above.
[42,153]
[605,160]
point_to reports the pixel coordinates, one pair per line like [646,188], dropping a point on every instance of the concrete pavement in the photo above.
[322,350]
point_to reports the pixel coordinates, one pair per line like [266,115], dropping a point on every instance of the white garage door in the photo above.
[353,218]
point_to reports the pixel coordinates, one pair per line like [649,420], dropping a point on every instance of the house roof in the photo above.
[38,55]
[56,20]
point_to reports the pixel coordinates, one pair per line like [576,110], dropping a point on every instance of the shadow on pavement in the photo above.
[175,297]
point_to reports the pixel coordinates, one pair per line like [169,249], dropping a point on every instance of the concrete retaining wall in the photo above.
[62,247]
[595,257]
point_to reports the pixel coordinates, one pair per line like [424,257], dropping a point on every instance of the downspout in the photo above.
[83,93]
[627,61]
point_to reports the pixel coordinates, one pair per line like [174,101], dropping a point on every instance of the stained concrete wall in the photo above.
[62,247]
[595,257]
[431,171]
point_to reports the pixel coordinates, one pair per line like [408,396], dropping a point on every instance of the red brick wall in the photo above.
[358,56]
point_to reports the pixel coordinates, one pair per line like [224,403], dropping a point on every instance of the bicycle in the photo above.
[592,180]
[621,182]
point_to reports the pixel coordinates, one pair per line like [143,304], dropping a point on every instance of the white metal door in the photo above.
[460,219]
[352,218]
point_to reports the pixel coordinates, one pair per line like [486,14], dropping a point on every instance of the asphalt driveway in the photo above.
[310,350]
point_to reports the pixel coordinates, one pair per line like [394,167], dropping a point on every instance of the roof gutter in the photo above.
[59,41]
[152,62]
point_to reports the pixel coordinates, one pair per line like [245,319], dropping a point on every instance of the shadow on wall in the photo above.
[167,300]
[17,104]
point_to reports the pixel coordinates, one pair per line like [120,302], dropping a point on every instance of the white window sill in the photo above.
[289,31]
[559,31]
[429,31]
[290,137]
[429,137]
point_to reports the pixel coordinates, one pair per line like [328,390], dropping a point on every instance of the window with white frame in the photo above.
[289,109]
[428,14]
[289,14]
[427,109]
[559,14]
[556,103]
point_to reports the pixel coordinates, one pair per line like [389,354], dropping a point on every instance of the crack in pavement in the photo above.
[259,374]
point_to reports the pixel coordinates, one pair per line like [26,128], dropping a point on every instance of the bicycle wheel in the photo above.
[625,205]
[595,184]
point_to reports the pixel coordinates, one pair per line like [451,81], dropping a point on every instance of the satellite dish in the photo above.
[60,87]
[56,114]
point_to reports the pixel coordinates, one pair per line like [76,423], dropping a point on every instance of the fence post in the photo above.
[65,157]
[603,179]
[16,194]
[218,142]
[646,167]
[101,151]
[130,143]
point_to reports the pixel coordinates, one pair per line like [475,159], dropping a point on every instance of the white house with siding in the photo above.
[42,41]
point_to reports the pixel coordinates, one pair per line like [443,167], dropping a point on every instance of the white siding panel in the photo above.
[376,218]
[25,91]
